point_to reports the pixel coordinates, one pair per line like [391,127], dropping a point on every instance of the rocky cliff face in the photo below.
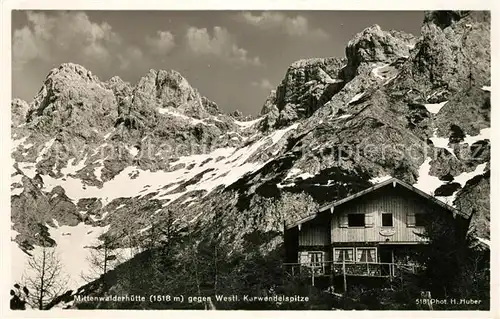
[310,84]
[92,156]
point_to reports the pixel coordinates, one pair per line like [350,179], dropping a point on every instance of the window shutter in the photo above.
[343,221]
[410,219]
[369,220]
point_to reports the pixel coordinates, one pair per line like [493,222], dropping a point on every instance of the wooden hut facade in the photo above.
[373,233]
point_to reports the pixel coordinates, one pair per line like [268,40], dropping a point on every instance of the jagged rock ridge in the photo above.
[130,156]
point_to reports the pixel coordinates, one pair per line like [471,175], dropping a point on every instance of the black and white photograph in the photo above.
[257,160]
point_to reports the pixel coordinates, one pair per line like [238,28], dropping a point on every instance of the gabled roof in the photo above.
[393,181]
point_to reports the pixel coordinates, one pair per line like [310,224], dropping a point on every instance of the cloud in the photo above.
[162,43]
[25,47]
[47,35]
[292,26]
[132,55]
[221,43]
[264,84]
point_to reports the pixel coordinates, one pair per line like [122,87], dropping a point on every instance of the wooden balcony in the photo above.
[330,268]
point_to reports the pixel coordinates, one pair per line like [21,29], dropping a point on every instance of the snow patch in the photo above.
[98,171]
[100,147]
[142,230]
[484,241]
[426,182]
[17,142]
[132,150]
[380,179]
[278,135]
[462,179]
[46,148]
[441,142]
[390,79]
[196,217]
[108,134]
[356,97]
[486,88]
[122,186]
[181,116]
[13,233]
[429,184]
[305,176]
[16,191]
[376,71]
[102,217]
[293,172]
[247,124]
[71,251]
[344,116]
[434,108]
[28,169]
[279,185]
[72,168]
[466,176]
[225,172]
[484,134]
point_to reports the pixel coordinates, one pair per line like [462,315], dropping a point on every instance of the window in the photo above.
[314,260]
[356,220]
[420,219]
[343,254]
[366,255]
[311,257]
[387,220]
[317,257]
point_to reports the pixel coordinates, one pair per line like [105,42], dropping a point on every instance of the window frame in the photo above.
[367,248]
[358,226]
[352,249]
[316,266]
[311,252]
[392,219]
[316,253]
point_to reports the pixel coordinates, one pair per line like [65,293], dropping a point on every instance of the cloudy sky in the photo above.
[234,58]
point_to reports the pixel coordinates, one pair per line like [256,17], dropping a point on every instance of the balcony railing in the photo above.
[328,268]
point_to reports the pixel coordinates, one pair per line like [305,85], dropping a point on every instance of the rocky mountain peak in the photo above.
[308,84]
[455,49]
[121,89]
[311,83]
[72,96]
[269,104]
[69,73]
[374,45]
[117,85]
[211,107]
[167,89]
